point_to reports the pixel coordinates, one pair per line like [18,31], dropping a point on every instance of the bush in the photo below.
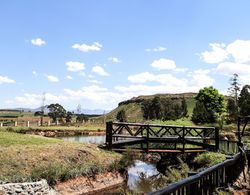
[209,159]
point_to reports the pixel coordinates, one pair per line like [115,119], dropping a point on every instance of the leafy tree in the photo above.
[212,102]
[244,101]
[68,117]
[121,116]
[81,117]
[232,110]
[184,107]
[200,113]
[156,107]
[56,111]
[38,113]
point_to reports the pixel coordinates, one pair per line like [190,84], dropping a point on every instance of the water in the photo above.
[143,177]
[94,139]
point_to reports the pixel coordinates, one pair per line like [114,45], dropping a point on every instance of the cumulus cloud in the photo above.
[94,81]
[164,64]
[218,53]
[231,58]
[100,71]
[6,79]
[52,78]
[75,66]
[38,42]
[114,60]
[157,49]
[32,100]
[86,48]
[69,77]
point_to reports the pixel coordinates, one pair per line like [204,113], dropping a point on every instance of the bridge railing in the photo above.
[206,137]
[206,181]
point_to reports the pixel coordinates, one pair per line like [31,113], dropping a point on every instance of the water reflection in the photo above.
[86,139]
[143,177]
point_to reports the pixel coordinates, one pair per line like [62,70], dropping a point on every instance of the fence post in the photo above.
[147,141]
[183,138]
[217,138]
[109,127]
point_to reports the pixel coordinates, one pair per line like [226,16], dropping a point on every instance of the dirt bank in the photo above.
[86,185]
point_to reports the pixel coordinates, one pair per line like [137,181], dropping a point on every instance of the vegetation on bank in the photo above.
[209,159]
[29,158]
[86,127]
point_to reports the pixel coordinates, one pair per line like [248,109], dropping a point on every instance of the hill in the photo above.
[133,110]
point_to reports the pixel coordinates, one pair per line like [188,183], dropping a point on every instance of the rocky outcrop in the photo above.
[36,188]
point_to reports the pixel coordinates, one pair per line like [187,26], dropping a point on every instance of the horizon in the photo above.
[98,54]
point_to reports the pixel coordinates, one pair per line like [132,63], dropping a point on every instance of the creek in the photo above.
[143,176]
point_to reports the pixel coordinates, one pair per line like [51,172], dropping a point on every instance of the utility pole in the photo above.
[42,107]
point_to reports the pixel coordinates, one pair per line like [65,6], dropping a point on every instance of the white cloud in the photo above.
[32,100]
[52,78]
[69,77]
[114,59]
[75,66]
[99,70]
[157,49]
[167,79]
[164,64]
[240,50]
[5,79]
[38,42]
[86,48]
[200,78]
[218,53]
[231,68]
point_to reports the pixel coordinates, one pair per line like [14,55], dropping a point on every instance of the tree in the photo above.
[56,111]
[38,113]
[156,107]
[200,113]
[232,109]
[184,107]
[235,87]
[212,102]
[121,116]
[81,117]
[244,101]
[68,117]
[232,104]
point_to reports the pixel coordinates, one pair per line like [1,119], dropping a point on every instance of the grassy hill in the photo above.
[133,110]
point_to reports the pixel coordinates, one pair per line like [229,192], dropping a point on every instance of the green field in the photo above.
[30,158]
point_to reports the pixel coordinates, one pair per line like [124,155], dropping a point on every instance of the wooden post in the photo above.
[109,127]
[48,122]
[147,139]
[28,124]
[183,139]
[239,133]
[1,124]
[15,123]
[217,139]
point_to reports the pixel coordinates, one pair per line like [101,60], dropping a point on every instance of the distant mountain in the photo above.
[46,110]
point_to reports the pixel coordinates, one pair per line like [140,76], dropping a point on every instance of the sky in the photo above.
[98,53]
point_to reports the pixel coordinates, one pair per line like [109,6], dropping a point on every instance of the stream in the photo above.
[143,177]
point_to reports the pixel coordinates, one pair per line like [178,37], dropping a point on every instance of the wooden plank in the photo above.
[158,150]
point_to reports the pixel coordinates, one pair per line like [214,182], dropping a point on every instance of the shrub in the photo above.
[209,159]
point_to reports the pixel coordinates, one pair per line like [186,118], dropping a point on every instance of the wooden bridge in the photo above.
[151,138]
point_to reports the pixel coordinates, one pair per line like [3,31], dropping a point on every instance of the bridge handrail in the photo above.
[192,179]
[162,125]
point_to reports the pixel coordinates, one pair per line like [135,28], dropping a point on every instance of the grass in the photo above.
[30,158]
[181,122]
[86,127]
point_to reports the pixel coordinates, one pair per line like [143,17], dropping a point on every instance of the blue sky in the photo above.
[98,53]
